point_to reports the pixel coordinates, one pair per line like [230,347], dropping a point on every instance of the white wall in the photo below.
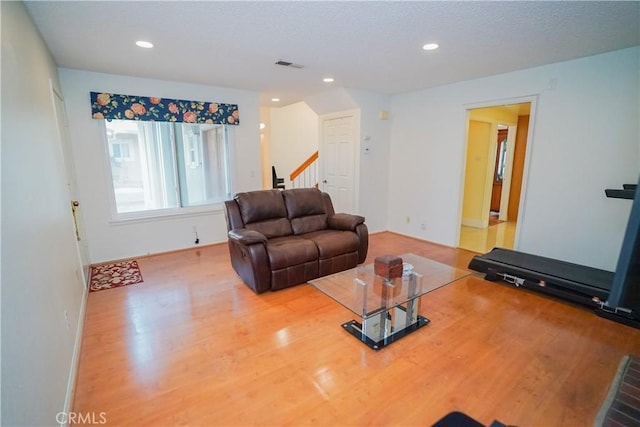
[39,257]
[109,240]
[331,101]
[294,137]
[585,139]
[373,196]
[265,147]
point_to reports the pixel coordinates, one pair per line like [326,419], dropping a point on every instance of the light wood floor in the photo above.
[482,240]
[192,345]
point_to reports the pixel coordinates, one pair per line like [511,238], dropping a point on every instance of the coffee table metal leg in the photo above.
[412,311]
[377,332]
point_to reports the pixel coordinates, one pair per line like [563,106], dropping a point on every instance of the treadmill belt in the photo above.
[585,282]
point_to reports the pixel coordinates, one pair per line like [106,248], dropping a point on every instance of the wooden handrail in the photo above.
[303,166]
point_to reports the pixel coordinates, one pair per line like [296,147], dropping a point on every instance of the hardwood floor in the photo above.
[192,345]
[482,240]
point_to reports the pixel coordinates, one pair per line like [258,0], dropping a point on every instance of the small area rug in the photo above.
[622,405]
[115,275]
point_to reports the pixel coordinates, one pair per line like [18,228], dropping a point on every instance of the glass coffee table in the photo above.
[388,309]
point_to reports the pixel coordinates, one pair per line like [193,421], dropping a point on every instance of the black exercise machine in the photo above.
[614,295]
[276,183]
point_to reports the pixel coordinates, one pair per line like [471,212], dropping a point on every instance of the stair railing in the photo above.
[306,175]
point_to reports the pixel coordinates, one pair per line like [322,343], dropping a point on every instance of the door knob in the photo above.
[324,181]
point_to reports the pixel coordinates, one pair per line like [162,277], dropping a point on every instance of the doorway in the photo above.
[339,135]
[496,149]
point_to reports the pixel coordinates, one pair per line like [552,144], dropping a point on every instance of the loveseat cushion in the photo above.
[307,224]
[272,228]
[264,211]
[287,251]
[305,209]
[331,243]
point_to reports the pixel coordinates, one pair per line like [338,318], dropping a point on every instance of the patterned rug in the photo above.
[115,275]
[622,405]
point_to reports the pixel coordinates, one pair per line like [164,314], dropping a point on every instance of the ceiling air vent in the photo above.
[288,64]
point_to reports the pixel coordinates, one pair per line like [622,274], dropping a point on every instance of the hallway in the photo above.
[482,240]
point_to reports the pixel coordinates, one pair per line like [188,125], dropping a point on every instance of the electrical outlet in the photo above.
[408,220]
[423,223]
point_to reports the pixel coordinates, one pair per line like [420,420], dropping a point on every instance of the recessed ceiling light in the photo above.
[328,80]
[430,46]
[275,99]
[145,44]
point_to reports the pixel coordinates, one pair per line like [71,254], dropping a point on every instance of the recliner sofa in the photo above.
[282,238]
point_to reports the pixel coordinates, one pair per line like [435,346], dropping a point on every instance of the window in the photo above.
[159,166]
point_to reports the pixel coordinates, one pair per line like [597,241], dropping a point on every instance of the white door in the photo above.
[75,208]
[339,136]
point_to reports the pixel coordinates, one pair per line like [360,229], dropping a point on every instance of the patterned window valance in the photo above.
[111,106]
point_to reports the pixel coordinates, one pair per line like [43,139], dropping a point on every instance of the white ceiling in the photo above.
[370,45]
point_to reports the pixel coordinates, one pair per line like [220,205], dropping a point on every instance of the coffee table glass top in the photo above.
[366,294]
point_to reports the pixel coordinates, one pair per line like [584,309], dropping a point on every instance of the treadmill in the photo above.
[613,295]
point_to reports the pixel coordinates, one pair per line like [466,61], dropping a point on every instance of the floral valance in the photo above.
[111,106]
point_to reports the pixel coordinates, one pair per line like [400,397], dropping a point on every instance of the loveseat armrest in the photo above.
[247,237]
[249,258]
[343,221]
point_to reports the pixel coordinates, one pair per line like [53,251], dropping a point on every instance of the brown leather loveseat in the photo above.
[283,238]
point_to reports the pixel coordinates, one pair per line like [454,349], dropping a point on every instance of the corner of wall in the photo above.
[338,99]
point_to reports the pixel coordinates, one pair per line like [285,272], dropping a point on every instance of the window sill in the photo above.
[165,214]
